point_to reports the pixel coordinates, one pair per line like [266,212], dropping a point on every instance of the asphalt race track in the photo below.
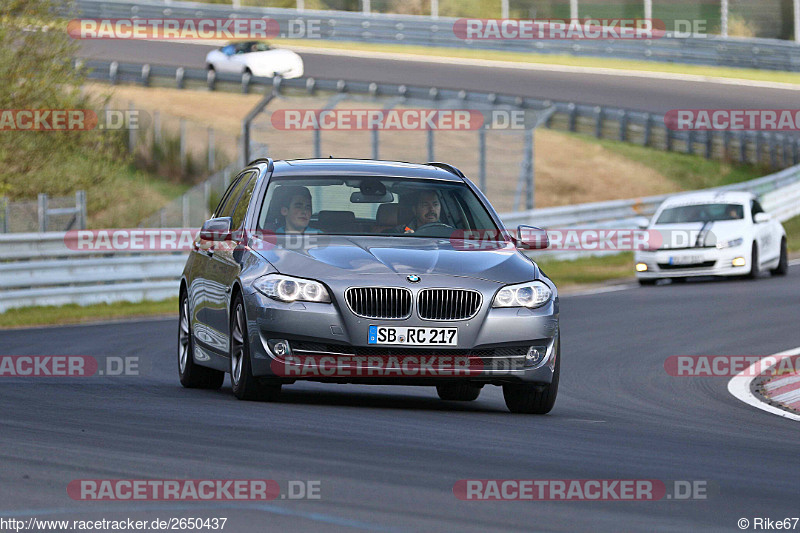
[646,94]
[387,457]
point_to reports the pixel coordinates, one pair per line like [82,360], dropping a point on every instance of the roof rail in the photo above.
[448,167]
[268,160]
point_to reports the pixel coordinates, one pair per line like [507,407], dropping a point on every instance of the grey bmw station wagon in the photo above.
[371,272]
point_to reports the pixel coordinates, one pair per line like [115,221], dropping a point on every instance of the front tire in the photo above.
[192,375]
[458,392]
[783,263]
[245,386]
[534,398]
[755,269]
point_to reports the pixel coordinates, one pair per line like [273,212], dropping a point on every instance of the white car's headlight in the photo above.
[730,244]
[531,294]
[289,289]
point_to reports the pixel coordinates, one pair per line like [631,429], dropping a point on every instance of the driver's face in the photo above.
[427,209]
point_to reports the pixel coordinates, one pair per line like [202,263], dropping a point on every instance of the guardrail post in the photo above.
[759,146]
[183,144]
[113,72]
[740,135]
[669,138]
[709,144]
[482,158]
[690,142]
[4,227]
[131,130]
[80,207]
[598,122]
[185,211]
[157,126]
[528,169]
[366,7]
[375,146]
[623,125]
[146,75]
[317,143]
[796,151]
[179,77]
[41,211]
[773,150]
[434,9]
[211,150]
[206,200]
[726,143]
[431,156]
[246,82]
[648,129]
[573,117]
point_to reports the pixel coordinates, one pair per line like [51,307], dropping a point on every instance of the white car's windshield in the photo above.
[373,206]
[701,213]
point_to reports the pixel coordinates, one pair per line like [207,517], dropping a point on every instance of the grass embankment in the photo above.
[76,314]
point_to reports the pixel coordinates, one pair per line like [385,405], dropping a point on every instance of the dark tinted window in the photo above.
[755,208]
[701,213]
[225,208]
[244,200]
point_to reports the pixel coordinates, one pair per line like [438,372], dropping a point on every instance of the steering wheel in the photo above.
[432,227]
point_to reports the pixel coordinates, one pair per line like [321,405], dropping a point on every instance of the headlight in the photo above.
[289,289]
[532,294]
[730,244]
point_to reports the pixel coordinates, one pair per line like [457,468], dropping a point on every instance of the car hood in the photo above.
[272,58]
[685,234]
[335,257]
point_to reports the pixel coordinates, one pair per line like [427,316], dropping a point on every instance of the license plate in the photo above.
[413,336]
[685,259]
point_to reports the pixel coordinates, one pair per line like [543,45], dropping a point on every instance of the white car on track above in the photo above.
[256,58]
[712,234]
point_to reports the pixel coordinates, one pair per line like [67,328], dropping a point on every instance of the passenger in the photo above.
[295,209]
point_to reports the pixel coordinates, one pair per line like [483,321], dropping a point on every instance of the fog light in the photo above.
[280,347]
[535,355]
[641,267]
[738,262]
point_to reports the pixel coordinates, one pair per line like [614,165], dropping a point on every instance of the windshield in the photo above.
[372,206]
[701,213]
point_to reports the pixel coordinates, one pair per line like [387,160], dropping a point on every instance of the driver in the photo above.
[427,209]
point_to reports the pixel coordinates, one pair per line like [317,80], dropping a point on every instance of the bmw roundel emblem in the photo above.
[413,278]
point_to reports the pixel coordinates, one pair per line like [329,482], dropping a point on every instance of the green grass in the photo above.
[76,314]
[557,59]
[792,227]
[588,270]
[688,172]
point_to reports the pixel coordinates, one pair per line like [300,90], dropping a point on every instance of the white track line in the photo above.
[739,385]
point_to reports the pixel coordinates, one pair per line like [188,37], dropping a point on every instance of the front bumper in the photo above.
[693,262]
[329,343]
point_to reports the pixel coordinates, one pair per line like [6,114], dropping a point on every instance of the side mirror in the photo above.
[642,222]
[760,218]
[216,229]
[532,238]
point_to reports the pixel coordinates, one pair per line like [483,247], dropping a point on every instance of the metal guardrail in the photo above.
[768,54]
[40,269]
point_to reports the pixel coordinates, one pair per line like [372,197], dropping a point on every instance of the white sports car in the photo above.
[255,58]
[711,234]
